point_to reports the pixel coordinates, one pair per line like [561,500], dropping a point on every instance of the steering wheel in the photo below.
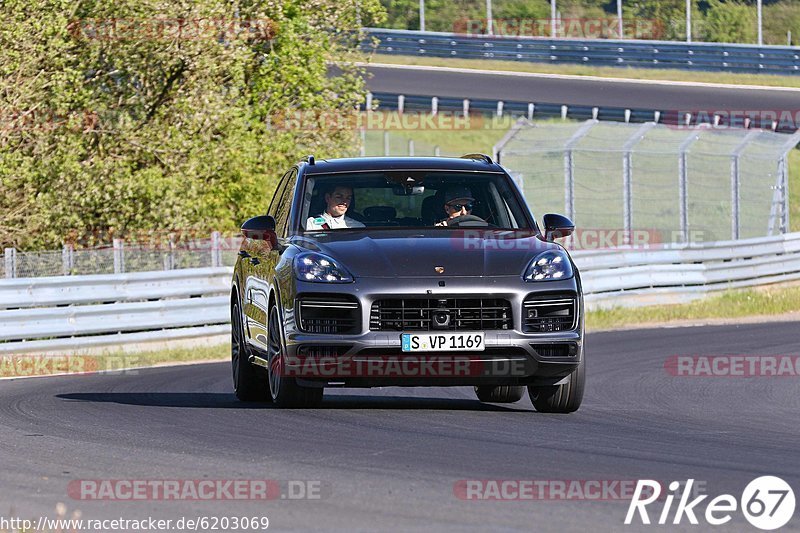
[467,221]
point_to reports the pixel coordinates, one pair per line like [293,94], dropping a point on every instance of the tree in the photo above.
[730,21]
[128,114]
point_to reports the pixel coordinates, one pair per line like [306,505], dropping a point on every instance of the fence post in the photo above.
[683,184]
[119,256]
[216,250]
[437,151]
[411,147]
[627,179]
[736,183]
[385,142]
[363,142]
[569,167]
[10,255]
[67,259]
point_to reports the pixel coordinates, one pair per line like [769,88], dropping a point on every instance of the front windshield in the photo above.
[411,199]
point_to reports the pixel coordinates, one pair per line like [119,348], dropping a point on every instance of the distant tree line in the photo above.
[712,20]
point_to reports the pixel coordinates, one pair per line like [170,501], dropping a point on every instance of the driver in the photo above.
[337,201]
[458,202]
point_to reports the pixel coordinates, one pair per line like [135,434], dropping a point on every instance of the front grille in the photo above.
[316,351]
[422,314]
[545,314]
[556,350]
[328,314]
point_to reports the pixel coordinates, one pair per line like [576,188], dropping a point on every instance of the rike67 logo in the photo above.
[767,503]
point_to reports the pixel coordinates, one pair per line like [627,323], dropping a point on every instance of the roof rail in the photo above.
[483,157]
[309,159]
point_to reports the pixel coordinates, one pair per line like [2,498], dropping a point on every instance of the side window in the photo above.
[277,194]
[283,204]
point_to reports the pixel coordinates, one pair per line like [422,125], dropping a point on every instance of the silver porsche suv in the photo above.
[407,271]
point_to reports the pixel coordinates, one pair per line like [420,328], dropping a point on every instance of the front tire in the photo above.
[284,390]
[565,398]
[249,383]
[500,394]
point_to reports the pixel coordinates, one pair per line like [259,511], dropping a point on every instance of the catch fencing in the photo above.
[784,60]
[144,253]
[680,184]
[74,313]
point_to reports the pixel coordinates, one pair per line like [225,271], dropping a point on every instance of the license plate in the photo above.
[443,342]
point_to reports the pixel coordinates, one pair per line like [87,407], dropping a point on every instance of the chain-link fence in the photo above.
[122,257]
[665,183]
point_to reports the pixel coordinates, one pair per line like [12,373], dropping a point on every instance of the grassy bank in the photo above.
[733,78]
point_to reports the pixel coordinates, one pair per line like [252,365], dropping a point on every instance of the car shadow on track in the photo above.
[219,400]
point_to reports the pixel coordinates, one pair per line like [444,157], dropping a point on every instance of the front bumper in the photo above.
[374,358]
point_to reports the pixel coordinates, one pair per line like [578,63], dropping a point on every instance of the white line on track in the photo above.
[115,370]
[579,78]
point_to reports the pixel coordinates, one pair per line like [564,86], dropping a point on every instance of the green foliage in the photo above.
[730,21]
[110,122]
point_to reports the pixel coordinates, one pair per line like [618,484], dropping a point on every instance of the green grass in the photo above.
[794,190]
[767,80]
[770,301]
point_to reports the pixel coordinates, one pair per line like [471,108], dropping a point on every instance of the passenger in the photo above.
[458,201]
[338,202]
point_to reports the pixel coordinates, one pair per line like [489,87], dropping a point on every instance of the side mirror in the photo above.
[261,228]
[557,227]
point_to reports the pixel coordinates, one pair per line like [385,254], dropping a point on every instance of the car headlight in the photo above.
[316,267]
[551,265]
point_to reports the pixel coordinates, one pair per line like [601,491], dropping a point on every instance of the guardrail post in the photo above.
[437,151]
[434,105]
[10,256]
[385,142]
[500,108]
[401,103]
[411,147]
[216,250]
[119,256]
[531,110]
[369,102]
[465,106]
[67,259]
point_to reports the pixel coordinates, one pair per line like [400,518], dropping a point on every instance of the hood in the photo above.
[416,253]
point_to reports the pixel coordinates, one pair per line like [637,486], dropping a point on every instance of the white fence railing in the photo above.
[59,314]
[629,278]
[104,311]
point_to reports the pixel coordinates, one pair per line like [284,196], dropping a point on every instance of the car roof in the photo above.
[362,164]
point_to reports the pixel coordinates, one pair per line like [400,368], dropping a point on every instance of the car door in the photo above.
[262,261]
[256,289]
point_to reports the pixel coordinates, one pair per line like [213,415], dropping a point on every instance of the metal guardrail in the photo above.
[783,60]
[79,312]
[46,315]
[533,110]
[678,274]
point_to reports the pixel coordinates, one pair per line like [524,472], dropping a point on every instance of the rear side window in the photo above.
[282,205]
